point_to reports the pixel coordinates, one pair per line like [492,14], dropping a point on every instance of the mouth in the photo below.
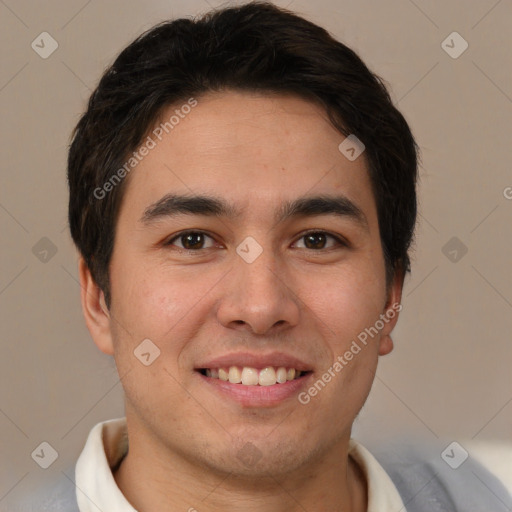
[250,376]
[255,380]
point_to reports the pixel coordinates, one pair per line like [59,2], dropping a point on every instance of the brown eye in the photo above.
[317,240]
[190,240]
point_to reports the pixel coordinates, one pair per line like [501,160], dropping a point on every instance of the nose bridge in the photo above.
[258,295]
[257,268]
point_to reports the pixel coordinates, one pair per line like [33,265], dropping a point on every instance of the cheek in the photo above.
[350,305]
[350,302]
[142,293]
[153,306]
[168,307]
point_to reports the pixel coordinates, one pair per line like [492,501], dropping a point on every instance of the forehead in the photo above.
[250,148]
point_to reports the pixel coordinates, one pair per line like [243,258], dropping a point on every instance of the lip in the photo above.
[259,361]
[256,396]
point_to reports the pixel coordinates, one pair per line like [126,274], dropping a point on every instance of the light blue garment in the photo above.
[427,483]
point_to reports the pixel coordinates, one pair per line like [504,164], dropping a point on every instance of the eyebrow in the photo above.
[172,205]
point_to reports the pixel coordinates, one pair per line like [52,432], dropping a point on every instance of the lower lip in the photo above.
[257,396]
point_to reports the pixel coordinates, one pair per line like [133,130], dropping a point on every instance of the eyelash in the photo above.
[341,242]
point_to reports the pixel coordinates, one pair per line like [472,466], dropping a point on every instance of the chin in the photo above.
[260,458]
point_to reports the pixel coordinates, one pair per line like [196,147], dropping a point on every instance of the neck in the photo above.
[153,479]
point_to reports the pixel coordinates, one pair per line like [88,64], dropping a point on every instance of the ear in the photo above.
[96,313]
[391,312]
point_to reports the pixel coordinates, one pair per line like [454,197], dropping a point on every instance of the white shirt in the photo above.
[107,443]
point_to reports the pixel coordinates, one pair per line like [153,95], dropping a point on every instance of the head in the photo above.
[247,108]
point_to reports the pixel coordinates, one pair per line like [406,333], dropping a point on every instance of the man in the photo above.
[242,195]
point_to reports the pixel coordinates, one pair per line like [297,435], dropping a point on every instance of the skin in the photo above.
[255,151]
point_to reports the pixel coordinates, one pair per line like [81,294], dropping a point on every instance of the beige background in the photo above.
[449,376]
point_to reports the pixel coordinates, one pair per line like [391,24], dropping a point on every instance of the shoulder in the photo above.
[58,494]
[428,481]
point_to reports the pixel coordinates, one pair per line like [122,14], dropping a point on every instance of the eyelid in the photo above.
[176,236]
[338,238]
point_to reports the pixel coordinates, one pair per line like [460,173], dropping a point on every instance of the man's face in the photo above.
[210,300]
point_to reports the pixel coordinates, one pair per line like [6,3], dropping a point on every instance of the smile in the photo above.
[248,376]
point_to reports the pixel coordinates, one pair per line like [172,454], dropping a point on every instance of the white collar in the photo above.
[383,496]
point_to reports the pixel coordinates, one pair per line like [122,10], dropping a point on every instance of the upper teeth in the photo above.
[252,377]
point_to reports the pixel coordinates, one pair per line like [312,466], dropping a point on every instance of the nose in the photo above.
[259,297]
